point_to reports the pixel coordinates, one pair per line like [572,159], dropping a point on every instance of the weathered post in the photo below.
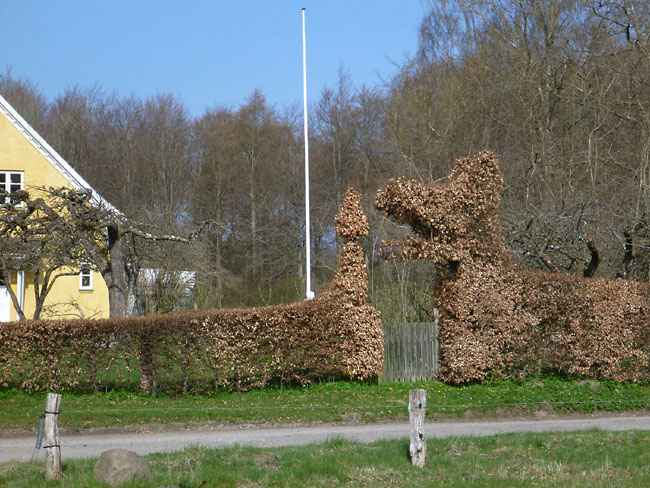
[417,407]
[52,447]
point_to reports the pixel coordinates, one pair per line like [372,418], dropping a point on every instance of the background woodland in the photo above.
[560,90]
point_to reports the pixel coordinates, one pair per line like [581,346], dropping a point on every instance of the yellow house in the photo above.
[26,161]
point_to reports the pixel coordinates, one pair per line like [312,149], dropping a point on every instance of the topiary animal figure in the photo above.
[496,320]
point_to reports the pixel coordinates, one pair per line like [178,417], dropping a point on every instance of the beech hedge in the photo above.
[495,319]
[335,335]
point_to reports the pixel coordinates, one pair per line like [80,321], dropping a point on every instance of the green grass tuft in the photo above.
[328,402]
[583,459]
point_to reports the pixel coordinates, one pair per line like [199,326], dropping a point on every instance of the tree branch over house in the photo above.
[63,228]
[34,236]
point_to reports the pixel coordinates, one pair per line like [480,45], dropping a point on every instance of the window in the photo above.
[86,277]
[11,181]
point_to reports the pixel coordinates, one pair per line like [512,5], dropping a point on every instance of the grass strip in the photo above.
[583,459]
[327,402]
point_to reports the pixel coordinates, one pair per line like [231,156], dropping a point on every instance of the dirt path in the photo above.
[93,444]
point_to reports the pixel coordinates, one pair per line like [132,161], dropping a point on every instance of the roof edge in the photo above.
[48,152]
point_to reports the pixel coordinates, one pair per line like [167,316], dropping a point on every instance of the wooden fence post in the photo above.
[51,438]
[417,407]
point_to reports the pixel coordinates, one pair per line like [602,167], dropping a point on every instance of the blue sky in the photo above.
[208,53]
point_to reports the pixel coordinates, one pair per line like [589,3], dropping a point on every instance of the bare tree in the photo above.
[34,238]
[161,150]
[65,227]
[72,126]
[335,123]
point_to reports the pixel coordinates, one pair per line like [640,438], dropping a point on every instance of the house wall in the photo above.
[66,300]
[18,154]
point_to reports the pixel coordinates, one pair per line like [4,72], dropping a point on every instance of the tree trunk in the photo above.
[218,247]
[132,269]
[40,292]
[12,295]
[590,271]
[251,194]
[148,364]
[115,276]
[628,256]
[116,299]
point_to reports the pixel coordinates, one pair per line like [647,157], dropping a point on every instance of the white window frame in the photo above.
[7,183]
[86,274]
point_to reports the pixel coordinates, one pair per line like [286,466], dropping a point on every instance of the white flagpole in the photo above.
[310,294]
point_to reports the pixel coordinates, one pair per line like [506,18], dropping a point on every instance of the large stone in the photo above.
[119,466]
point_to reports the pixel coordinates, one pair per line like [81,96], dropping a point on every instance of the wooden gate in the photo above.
[410,351]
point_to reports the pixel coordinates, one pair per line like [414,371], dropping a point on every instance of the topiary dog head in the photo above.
[452,221]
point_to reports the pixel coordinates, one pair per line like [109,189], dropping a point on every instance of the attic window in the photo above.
[86,277]
[11,181]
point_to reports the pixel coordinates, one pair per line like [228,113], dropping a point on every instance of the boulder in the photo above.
[119,466]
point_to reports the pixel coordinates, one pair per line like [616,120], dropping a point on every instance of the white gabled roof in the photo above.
[48,152]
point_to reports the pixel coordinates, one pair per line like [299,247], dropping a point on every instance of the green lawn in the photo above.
[585,459]
[327,402]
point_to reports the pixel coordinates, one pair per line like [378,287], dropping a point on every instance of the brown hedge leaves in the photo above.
[494,319]
[337,334]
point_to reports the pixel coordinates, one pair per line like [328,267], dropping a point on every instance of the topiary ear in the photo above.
[479,175]
[351,222]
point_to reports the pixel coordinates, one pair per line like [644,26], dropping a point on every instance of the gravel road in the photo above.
[92,445]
